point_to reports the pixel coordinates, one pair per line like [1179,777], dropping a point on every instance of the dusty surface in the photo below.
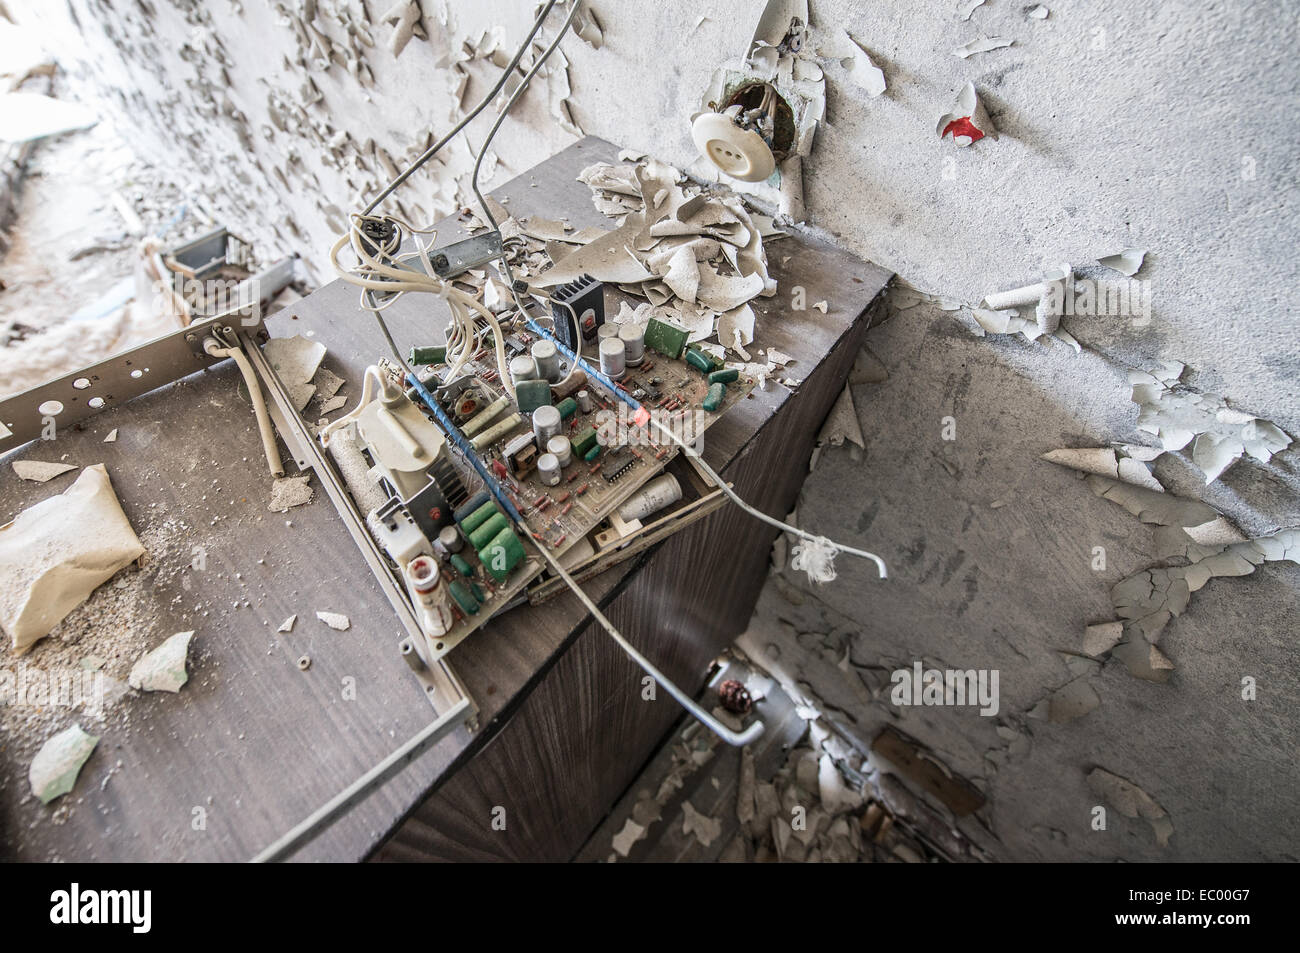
[991,557]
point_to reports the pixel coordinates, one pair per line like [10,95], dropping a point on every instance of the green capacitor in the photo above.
[699,361]
[567,408]
[478,517]
[463,597]
[503,554]
[462,566]
[478,592]
[485,533]
[428,355]
[724,377]
[713,399]
[530,395]
[584,441]
[593,453]
[667,339]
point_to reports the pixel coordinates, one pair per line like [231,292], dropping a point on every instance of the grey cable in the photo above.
[433,149]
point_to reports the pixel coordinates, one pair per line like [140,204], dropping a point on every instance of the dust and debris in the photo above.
[1220,435]
[54,770]
[706,829]
[163,669]
[1106,462]
[38,471]
[335,620]
[1127,263]
[112,436]
[1131,801]
[295,360]
[288,492]
[55,553]
[967,121]
[287,624]
[982,44]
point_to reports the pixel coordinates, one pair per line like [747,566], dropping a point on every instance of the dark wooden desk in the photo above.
[252,744]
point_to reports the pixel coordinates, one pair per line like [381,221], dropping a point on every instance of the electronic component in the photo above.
[459,257]
[546,424]
[428,355]
[523,368]
[547,359]
[612,358]
[667,339]
[496,432]
[713,399]
[530,395]
[561,449]
[586,296]
[450,539]
[585,403]
[425,581]
[520,455]
[654,496]
[633,338]
[548,469]
[484,417]
[567,388]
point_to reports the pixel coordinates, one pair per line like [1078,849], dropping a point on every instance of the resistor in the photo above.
[567,507]
[582,489]
[595,468]
[556,544]
[562,497]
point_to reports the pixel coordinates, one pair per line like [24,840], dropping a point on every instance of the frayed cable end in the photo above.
[816,557]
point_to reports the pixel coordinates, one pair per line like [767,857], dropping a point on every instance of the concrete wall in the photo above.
[1160,124]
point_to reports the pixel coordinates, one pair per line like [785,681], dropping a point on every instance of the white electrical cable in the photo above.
[214,349]
[739,739]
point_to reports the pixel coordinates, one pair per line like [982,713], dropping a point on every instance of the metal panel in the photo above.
[83,393]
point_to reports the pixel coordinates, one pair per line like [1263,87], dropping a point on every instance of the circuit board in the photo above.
[623,458]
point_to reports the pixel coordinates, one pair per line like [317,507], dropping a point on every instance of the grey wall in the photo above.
[1160,124]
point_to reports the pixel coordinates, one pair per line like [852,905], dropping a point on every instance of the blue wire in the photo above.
[467,449]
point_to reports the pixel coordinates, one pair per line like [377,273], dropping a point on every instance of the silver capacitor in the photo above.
[546,424]
[450,538]
[560,447]
[523,368]
[611,358]
[654,496]
[548,469]
[585,403]
[547,359]
[607,331]
[633,338]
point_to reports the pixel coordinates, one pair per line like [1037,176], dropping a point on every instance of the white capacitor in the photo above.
[449,536]
[561,448]
[654,496]
[611,358]
[633,338]
[606,331]
[523,368]
[548,469]
[546,424]
[585,403]
[547,359]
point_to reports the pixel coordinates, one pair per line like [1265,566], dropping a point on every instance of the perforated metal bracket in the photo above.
[90,390]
